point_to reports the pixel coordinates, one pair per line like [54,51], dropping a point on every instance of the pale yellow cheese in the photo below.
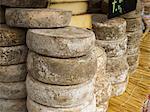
[82,21]
[64,1]
[75,7]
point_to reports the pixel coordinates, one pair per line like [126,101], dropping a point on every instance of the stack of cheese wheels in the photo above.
[61,65]
[111,35]
[13,54]
[134,34]
[79,9]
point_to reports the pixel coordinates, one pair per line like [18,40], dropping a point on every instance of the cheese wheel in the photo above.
[114,48]
[13,105]
[64,1]
[74,7]
[117,68]
[119,89]
[134,24]
[62,71]
[13,55]
[13,73]
[82,21]
[11,36]
[24,3]
[12,91]
[62,42]
[2,15]
[29,18]
[103,107]
[105,29]
[59,96]
[89,106]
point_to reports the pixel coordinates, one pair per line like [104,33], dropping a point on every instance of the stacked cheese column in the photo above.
[111,35]
[134,34]
[61,66]
[79,10]
[13,53]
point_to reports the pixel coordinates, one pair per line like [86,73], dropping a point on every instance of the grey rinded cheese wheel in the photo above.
[134,24]
[59,96]
[62,42]
[2,15]
[11,36]
[117,68]
[24,3]
[106,29]
[114,48]
[103,107]
[62,71]
[13,55]
[13,73]
[16,90]
[89,106]
[119,89]
[18,105]
[37,18]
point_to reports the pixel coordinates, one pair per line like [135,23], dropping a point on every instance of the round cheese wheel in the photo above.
[117,68]
[62,71]
[62,42]
[24,3]
[37,18]
[13,73]
[2,15]
[13,55]
[11,36]
[12,91]
[108,29]
[13,105]
[89,106]
[103,107]
[114,48]
[59,96]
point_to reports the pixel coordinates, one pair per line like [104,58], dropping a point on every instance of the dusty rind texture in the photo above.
[114,48]
[2,15]
[13,73]
[11,36]
[131,49]
[13,55]
[134,24]
[25,3]
[62,42]
[62,71]
[105,29]
[59,96]
[89,106]
[132,59]
[103,107]
[29,18]
[12,91]
[119,89]
[13,105]
[117,68]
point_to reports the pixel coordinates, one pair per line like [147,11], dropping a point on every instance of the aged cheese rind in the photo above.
[64,1]
[24,3]
[62,42]
[18,105]
[81,21]
[119,89]
[74,7]
[29,18]
[131,49]
[13,73]
[103,107]
[62,71]
[134,24]
[2,15]
[105,29]
[11,36]
[89,106]
[114,48]
[59,96]
[117,68]
[132,59]
[13,55]
[12,91]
